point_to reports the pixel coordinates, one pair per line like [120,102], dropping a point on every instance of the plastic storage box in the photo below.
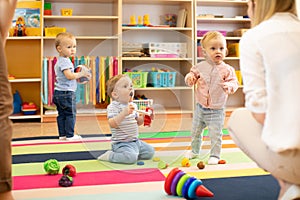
[139,79]
[53,31]
[162,79]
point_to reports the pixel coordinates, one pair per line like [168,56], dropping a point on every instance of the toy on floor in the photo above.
[69,170]
[51,166]
[178,183]
[185,162]
[222,162]
[162,164]
[201,165]
[65,181]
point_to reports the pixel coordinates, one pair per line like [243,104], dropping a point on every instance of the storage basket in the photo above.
[143,104]
[53,31]
[156,79]
[139,79]
[162,79]
[66,11]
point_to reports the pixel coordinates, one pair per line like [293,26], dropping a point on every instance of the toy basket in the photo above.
[139,79]
[143,104]
[66,11]
[53,31]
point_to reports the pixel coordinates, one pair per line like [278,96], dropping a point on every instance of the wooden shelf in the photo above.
[59,17]
[222,3]
[25,80]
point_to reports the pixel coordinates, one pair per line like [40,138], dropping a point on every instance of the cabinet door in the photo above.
[230,18]
[149,48]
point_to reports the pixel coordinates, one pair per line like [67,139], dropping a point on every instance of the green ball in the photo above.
[51,166]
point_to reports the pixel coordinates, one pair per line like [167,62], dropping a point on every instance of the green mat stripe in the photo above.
[175,134]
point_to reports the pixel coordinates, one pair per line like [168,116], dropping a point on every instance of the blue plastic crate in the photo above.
[162,79]
[156,79]
[169,79]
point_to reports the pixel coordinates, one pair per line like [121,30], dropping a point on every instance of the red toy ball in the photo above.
[82,80]
[69,170]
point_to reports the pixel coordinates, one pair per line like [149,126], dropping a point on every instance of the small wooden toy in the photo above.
[20,27]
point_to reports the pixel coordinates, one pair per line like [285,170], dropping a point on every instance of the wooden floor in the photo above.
[98,125]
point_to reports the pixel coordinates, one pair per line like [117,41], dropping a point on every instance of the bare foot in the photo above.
[6,195]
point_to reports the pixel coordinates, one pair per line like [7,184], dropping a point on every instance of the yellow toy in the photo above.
[140,20]
[132,20]
[146,20]
[185,162]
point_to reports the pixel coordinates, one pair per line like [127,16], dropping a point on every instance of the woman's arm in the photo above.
[253,74]
[7,11]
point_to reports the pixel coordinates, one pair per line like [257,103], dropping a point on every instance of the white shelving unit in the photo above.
[97,25]
[230,16]
[167,100]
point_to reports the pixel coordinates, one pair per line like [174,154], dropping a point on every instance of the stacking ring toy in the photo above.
[175,181]
[169,179]
[178,183]
[51,166]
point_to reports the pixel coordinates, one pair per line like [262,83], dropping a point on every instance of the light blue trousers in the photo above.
[130,152]
[214,121]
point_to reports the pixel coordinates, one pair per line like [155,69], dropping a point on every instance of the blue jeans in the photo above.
[214,120]
[65,102]
[130,152]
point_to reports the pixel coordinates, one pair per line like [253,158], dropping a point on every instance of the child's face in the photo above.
[123,91]
[216,50]
[67,47]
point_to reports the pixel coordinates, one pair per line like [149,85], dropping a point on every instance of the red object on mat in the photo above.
[202,191]
[89,178]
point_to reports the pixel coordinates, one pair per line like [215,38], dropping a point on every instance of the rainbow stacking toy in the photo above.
[178,183]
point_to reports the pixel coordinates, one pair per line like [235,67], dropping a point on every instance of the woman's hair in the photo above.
[209,36]
[111,83]
[264,9]
[61,36]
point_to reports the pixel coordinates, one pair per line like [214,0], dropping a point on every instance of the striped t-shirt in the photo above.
[128,128]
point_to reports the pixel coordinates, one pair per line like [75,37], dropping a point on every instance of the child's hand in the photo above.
[190,80]
[129,109]
[85,72]
[228,89]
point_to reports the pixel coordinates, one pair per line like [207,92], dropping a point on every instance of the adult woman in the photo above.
[7,8]
[270,70]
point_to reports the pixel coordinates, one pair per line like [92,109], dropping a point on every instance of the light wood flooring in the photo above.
[96,125]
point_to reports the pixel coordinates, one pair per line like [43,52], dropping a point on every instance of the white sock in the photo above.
[105,156]
[213,161]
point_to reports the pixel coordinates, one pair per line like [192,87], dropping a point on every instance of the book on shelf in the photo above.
[181,18]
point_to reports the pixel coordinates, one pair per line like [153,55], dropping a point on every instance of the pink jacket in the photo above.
[212,83]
